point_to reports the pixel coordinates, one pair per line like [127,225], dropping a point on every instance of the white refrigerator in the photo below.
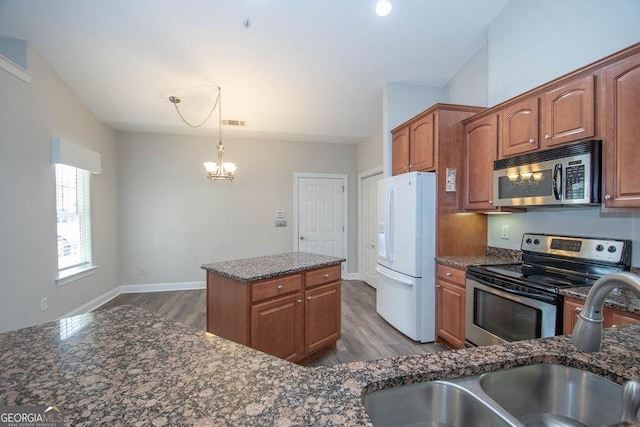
[406,218]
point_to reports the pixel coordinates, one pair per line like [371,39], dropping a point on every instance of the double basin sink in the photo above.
[533,395]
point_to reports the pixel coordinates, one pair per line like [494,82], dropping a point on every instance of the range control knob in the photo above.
[599,248]
[536,241]
[528,240]
[612,249]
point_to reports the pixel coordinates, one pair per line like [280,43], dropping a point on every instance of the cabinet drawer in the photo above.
[275,287]
[451,274]
[322,275]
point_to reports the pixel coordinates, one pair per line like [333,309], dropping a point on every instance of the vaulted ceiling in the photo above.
[292,69]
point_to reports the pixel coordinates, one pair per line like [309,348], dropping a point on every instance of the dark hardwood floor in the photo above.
[365,335]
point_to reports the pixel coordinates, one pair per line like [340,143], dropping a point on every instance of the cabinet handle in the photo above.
[326,276]
[438,286]
[547,137]
[607,196]
[449,274]
[299,301]
[490,202]
[279,287]
[532,141]
[309,298]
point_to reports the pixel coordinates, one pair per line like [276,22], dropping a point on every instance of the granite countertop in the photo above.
[252,269]
[619,298]
[126,366]
[492,256]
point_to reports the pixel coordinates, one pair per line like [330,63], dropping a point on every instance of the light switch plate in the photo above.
[505,231]
[281,222]
[281,214]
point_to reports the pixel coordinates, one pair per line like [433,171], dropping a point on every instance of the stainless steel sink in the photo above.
[436,403]
[533,396]
[545,395]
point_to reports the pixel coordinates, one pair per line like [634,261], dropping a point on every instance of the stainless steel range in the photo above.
[513,302]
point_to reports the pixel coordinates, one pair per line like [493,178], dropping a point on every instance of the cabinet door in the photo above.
[481,145]
[570,316]
[277,327]
[322,316]
[621,153]
[400,151]
[613,317]
[519,124]
[450,304]
[568,112]
[421,145]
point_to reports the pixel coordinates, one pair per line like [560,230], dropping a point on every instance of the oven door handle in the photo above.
[543,298]
[557,181]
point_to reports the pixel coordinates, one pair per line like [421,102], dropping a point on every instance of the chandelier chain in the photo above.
[175,105]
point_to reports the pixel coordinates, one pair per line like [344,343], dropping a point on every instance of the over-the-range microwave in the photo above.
[567,175]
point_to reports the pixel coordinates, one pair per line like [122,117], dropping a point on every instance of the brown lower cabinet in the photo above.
[450,305]
[295,317]
[612,316]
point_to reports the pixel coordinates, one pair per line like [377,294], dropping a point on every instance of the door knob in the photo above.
[301,237]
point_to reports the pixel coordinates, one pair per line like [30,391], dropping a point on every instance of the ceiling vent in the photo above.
[238,123]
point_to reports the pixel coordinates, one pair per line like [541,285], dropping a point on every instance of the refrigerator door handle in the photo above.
[388,226]
[394,278]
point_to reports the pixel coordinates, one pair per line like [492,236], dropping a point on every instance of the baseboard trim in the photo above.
[94,303]
[353,276]
[130,289]
[161,287]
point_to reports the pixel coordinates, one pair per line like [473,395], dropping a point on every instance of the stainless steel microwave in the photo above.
[566,175]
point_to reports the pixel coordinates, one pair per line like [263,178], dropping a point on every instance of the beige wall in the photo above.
[370,151]
[173,219]
[30,114]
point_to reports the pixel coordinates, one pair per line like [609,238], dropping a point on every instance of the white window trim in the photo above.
[74,274]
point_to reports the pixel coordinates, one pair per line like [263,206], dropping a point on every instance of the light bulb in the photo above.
[383,7]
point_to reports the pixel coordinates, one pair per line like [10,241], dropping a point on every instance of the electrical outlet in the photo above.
[44,304]
[505,231]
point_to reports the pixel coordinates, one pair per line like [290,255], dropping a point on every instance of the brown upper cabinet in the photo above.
[599,101]
[622,133]
[568,112]
[413,146]
[400,151]
[560,115]
[519,128]
[421,144]
[481,148]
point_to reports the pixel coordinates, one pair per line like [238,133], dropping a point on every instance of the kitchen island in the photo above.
[287,305]
[127,366]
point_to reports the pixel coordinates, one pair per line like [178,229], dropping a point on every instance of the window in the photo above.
[73,206]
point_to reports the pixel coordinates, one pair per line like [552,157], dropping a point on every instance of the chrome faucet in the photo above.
[587,334]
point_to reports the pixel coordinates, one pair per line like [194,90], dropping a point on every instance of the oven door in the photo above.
[497,316]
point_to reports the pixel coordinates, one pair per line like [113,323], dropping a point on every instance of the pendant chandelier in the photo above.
[220,171]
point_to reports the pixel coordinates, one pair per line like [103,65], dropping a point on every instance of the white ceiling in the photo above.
[303,70]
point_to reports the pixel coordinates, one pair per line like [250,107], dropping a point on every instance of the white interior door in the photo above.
[370,229]
[321,216]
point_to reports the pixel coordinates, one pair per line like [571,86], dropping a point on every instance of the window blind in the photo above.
[73,206]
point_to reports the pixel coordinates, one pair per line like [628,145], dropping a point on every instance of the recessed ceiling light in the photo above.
[383,7]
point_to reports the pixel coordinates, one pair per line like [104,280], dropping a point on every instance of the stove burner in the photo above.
[538,276]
